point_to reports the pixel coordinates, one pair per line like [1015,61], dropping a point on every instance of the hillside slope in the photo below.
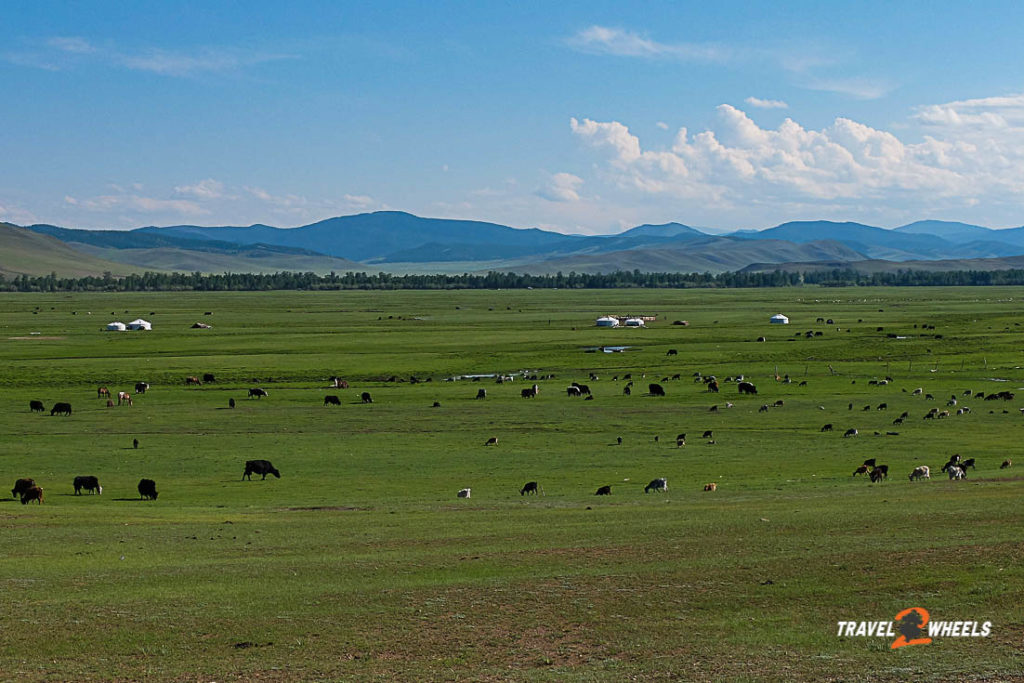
[24,252]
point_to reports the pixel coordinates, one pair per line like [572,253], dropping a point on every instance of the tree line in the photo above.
[250,282]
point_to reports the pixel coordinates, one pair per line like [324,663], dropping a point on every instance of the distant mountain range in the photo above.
[401,242]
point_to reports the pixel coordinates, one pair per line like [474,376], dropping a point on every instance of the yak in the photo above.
[89,483]
[263,467]
[61,409]
[147,489]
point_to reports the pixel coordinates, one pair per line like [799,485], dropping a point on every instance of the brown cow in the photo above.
[32,493]
[102,391]
[711,487]
[192,380]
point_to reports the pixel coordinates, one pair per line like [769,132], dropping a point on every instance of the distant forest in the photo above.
[249,282]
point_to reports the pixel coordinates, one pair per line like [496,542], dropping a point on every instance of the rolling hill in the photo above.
[399,242]
[24,252]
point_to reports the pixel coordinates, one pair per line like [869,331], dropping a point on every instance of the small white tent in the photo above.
[607,321]
[116,327]
[140,324]
[779,319]
[634,322]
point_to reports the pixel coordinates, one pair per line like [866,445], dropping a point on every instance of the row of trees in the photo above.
[150,282]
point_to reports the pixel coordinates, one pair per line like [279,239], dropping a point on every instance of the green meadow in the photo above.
[360,563]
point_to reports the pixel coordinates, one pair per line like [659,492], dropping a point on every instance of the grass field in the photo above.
[361,563]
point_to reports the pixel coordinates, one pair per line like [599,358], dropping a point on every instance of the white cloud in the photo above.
[974,153]
[623,43]
[562,187]
[662,125]
[204,189]
[137,204]
[73,44]
[205,60]
[361,202]
[11,213]
[64,52]
[766,104]
[860,88]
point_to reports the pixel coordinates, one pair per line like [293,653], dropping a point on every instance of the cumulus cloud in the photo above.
[562,187]
[359,201]
[622,43]
[974,152]
[204,189]
[766,104]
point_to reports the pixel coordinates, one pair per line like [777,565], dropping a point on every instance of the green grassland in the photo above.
[361,563]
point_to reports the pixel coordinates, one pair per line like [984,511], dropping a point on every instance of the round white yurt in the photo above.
[634,322]
[140,324]
[607,321]
[116,327]
[779,319]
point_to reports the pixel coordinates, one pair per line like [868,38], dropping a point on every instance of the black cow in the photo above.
[708,434]
[827,428]
[655,390]
[953,460]
[746,388]
[89,483]
[671,352]
[481,393]
[969,462]
[575,391]
[21,486]
[365,397]
[659,484]
[257,392]
[626,391]
[332,400]
[529,487]
[141,387]
[870,462]
[876,476]
[231,403]
[604,491]
[584,389]
[61,409]
[882,470]
[529,393]
[36,406]
[259,467]
[208,377]
[147,489]
[32,493]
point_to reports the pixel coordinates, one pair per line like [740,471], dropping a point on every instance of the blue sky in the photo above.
[579,117]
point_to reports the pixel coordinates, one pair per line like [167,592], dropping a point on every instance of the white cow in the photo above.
[922,472]
[956,472]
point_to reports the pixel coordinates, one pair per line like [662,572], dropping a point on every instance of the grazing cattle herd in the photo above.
[955,467]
